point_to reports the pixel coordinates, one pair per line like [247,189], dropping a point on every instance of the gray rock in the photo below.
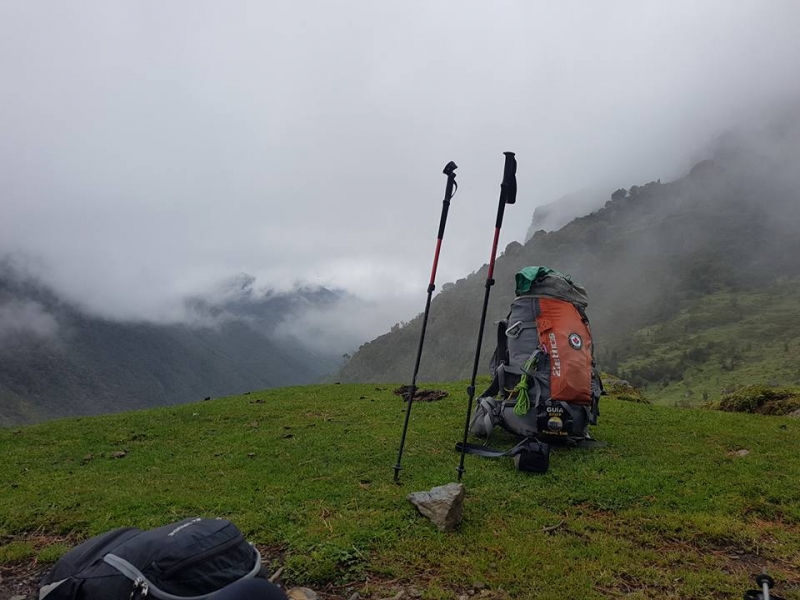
[443,505]
[742,452]
[302,593]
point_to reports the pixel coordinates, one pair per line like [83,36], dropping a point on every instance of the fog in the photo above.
[28,319]
[150,151]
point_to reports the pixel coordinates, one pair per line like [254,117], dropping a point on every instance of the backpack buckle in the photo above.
[514,330]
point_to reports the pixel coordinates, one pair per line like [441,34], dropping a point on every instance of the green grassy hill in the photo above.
[720,342]
[668,510]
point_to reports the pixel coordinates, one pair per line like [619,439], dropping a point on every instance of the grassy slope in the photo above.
[664,511]
[722,341]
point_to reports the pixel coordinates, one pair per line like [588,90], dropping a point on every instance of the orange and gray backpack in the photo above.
[545,385]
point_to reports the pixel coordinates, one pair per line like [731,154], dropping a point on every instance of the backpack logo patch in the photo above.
[575,341]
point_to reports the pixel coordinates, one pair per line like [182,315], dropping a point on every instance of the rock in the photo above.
[17,598]
[355,596]
[443,505]
[795,414]
[302,593]
[742,452]
[119,454]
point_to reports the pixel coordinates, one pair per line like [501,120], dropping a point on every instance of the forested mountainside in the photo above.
[56,360]
[690,280]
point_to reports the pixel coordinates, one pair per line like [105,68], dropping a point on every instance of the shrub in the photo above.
[761,399]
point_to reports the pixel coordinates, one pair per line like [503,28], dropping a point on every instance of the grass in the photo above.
[667,510]
[723,341]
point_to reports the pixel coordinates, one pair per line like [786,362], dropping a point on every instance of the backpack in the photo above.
[545,385]
[193,558]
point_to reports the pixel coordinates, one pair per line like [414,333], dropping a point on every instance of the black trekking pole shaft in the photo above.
[508,193]
[449,170]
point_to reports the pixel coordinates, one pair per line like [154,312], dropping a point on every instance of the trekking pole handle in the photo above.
[508,195]
[450,171]
[508,188]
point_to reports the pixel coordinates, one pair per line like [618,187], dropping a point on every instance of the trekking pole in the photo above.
[450,189]
[508,195]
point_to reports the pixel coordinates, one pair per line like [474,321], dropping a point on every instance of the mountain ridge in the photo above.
[81,364]
[730,224]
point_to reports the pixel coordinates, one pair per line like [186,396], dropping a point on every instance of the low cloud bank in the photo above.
[25,320]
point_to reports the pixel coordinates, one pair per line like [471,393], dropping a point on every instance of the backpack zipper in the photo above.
[139,584]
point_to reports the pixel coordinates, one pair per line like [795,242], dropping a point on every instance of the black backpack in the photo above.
[191,559]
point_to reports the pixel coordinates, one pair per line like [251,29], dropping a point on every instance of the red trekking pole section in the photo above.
[450,189]
[508,195]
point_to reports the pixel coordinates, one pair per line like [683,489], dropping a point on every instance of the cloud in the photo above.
[24,320]
[342,327]
[150,151]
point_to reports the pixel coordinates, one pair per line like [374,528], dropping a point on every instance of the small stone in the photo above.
[355,596]
[443,505]
[742,452]
[119,454]
[17,598]
[302,593]
[478,585]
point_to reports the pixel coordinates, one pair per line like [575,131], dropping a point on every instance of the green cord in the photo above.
[523,404]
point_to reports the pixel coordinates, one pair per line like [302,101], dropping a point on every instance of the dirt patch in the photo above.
[21,579]
[421,395]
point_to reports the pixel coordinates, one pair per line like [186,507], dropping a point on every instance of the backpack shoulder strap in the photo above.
[526,445]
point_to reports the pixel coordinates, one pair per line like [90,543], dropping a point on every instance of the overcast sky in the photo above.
[150,150]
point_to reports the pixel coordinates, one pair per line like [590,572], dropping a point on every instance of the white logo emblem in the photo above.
[575,341]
